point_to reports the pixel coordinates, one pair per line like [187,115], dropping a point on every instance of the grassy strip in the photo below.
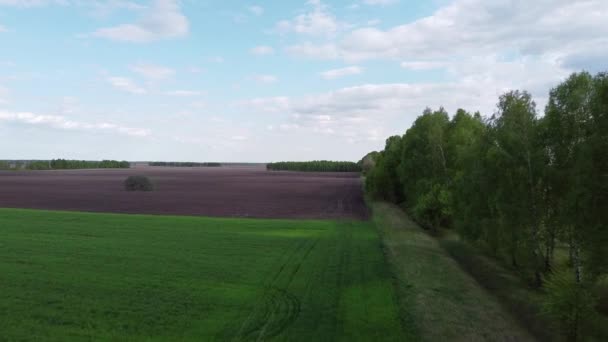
[438,301]
[80,276]
[522,301]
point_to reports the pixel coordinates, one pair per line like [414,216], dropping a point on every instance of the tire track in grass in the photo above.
[320,290]
[284,320]
[344,246]
[233,331]
[277,308]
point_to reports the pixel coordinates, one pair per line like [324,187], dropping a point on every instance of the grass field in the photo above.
[438,300]
[77,276]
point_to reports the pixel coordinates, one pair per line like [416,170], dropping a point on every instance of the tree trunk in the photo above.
[538,279]
[578,268]
[536,248]
[549,252]
[513,256]
[571,250]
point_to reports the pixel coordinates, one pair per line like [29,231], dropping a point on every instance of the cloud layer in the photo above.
[60,122]
[474,27]
[162,21]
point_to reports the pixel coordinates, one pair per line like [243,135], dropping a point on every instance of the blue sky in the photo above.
[275,80]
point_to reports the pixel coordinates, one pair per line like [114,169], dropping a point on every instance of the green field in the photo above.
[77,276]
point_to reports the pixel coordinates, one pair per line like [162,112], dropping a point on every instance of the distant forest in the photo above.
[315,166]
[527,188]
[64,164]
[184,164]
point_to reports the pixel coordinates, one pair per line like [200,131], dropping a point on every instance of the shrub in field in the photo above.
[138,183]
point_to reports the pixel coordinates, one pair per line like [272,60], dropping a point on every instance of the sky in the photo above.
[246,81]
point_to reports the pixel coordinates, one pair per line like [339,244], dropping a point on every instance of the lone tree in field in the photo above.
[138,183]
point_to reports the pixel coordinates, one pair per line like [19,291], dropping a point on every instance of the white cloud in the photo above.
[3,29]
[196,70]
[338,73]
[262,50]
[69,105]
[153,72]
[104,8]
[316,22]
[316,51]
[269,104]
[477,27]
[162,21]
[423,65]
[3,95]
[371,112]
[32,3]
[256,10]
[126,84]
[184,93]
[60,122]
[99,8]
[380,2]
[216,59]
[267,79]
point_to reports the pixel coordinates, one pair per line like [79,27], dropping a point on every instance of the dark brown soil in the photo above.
[224,191]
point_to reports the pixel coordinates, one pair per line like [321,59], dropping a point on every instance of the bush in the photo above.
[601,292]
[138,183]
[368,162]
[571,304]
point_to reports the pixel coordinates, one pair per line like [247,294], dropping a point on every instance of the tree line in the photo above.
[315,166]
[65,164]
[520,185]
[6,165]
[184,164]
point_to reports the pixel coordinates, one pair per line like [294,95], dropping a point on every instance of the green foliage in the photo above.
[438,300]
[38,165]
[4,165]
[315,166]
[158,278]
[11,164]
[571,304]
[184,164]
[382,181]
[138,183]
[65,164]
[524,303]
[433,207]
[368,162]
[516,183]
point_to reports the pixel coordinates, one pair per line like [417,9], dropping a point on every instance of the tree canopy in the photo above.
[515,183]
